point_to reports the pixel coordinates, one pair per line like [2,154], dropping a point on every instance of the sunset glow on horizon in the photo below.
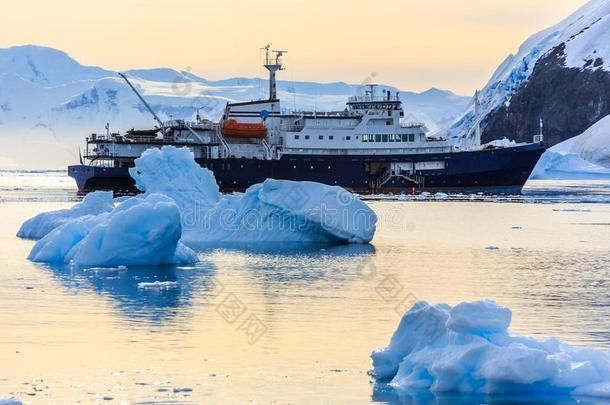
[410,44]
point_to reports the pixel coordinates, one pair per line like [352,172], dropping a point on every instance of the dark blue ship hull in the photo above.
[502,170]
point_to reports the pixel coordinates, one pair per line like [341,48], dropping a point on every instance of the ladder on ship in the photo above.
[386,176]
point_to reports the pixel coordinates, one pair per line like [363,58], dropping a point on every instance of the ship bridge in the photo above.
[370,101]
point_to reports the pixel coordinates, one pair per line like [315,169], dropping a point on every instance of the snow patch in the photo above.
[468,348]
[593,145]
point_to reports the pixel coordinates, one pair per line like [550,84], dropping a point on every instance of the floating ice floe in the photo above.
[273,211]
[93,204]
[139,231]
[158,285]
[468,348]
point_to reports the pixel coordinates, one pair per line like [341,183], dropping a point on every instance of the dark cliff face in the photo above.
[569,101]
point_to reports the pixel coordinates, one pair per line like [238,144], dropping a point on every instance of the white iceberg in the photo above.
[469,349]
[139,231]
[43,223]
[274,211]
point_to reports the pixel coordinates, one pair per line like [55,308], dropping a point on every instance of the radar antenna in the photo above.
[273,64]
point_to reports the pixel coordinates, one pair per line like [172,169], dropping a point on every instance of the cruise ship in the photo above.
[366,148]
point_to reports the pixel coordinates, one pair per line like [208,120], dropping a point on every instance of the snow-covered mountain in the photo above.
[49,102]
[560,75]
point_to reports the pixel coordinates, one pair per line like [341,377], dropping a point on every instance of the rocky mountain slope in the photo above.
[560,75]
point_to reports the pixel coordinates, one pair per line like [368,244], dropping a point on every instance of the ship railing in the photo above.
[310,114]
[223,142]
[292,128]
[412,124]
[368,99]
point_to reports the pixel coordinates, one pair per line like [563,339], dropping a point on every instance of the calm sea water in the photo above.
[293,325]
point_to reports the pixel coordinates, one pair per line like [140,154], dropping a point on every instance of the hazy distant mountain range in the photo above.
[49,102]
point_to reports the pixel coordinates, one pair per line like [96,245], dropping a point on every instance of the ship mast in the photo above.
[273,64]
[477,114]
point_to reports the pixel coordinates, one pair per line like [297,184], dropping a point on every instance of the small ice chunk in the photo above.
[492,247]
[158,285]
[441,196]
[40,225]
[182,389]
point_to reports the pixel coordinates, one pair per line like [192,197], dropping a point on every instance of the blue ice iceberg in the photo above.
[43,223]
[139,231]
[469,349]
[182,202]
[273,211]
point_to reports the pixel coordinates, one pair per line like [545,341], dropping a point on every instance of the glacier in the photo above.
[469,349]
[181,204]
[40,225]
[139,231]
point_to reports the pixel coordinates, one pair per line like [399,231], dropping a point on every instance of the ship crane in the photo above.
[162,126]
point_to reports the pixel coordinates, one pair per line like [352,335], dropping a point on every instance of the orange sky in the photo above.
[411,44]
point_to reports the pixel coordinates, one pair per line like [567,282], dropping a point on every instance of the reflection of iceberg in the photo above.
[43,223]
[137,304]
[276,265]
[139,231]
[469,349]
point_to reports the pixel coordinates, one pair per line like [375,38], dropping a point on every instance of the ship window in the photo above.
[296,137]
[391,137]
[321,137]
[347,138]
[378,138]
[384,138]
[306,136]
[330,137]
[411,137]
[388,122]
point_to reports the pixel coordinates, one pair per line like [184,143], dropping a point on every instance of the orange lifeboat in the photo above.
[234,129]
